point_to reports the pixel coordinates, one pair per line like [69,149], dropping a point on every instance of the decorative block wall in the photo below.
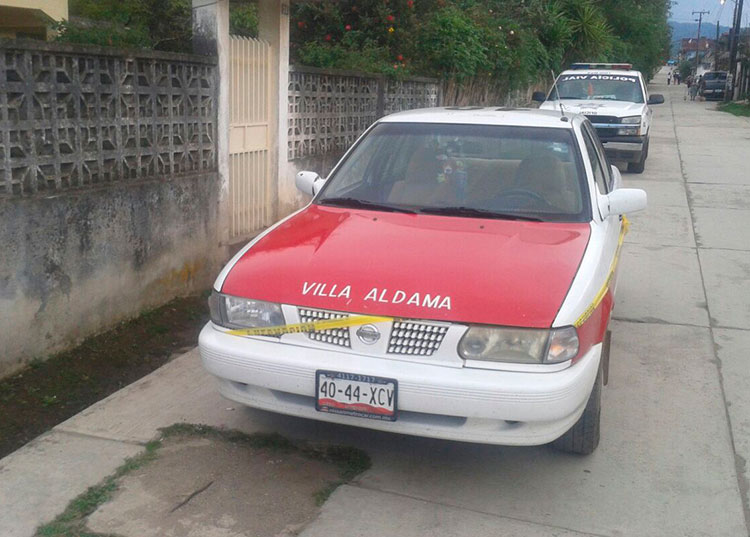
[328,109]
[73,117]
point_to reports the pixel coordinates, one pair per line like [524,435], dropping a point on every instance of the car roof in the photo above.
[476,115]
[621,72]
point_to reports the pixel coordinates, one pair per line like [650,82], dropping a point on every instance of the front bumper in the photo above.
[464,404]
[624,148]
[709,93]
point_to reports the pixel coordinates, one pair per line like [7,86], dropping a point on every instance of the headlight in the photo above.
[631,126]
[235,312]
[629,131]
[631,120]
[519,345]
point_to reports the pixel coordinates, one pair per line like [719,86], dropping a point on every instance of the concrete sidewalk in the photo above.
[676,414]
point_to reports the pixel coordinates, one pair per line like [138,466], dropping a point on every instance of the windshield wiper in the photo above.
[479,213]
[355,203]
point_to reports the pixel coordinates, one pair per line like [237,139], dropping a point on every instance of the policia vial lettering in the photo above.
[616,78]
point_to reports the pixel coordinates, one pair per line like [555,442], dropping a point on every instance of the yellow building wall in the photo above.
[54,9]
[30,18]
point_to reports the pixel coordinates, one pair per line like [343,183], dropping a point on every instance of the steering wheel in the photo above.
[521,192]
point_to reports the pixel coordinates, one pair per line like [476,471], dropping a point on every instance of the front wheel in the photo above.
[583,437]
[638,167]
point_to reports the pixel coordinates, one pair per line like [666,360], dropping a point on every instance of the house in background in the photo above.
[30,18]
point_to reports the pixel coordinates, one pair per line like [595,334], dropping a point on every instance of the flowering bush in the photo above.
[513,42]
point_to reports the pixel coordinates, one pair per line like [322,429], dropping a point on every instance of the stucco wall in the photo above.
[75,264]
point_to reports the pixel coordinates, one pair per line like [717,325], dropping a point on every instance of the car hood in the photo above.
[470,270]
[597,107]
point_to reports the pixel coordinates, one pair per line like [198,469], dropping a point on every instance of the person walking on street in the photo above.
[693,89]
[669,78]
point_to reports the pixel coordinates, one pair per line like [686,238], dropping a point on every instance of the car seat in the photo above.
[545,175]
[421,185]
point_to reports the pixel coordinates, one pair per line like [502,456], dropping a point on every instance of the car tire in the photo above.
[638,167]
[583,437]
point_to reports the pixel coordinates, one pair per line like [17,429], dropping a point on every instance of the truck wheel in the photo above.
[638,167]
[583,437]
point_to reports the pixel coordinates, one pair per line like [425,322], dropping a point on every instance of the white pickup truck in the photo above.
[615,99]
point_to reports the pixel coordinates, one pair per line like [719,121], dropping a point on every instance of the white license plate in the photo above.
[708,91]
[350,394]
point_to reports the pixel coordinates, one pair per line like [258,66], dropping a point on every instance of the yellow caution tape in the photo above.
[314,326]
[603,291]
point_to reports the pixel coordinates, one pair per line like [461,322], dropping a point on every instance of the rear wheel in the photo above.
[583,437]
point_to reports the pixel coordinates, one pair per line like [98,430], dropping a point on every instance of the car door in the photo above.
[608,229]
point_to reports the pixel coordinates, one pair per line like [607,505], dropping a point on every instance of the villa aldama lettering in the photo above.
[378,294]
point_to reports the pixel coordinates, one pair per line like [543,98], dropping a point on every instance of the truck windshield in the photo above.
[715,76]
[599,87]
[474,171]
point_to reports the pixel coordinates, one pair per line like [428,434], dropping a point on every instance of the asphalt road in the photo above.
[676,413]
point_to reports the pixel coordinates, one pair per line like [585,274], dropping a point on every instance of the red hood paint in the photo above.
[502,272]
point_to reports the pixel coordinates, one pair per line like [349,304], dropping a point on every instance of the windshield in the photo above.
[714,76]
[482,171]
[593,86]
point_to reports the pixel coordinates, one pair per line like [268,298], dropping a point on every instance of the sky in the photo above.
[682,11]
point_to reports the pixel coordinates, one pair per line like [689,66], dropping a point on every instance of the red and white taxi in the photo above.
[453,277]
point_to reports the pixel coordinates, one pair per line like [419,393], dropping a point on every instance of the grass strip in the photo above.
[72,521]
[736,108]
[350,462]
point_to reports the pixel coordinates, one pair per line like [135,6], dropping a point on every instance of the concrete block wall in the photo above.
[109,189]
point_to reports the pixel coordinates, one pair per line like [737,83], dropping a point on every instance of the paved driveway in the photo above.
[676,418]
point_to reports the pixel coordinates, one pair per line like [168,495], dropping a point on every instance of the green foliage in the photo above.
[641,34]
[507,43]
[591,35]
[452,45]
[685,69]
[149,24]
[243,19]
[736,108]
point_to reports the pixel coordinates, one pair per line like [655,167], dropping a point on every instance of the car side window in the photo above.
[608,178]
[601,178]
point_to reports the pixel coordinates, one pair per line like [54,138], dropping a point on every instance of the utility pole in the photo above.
[698,43]
[734,38]
[716,47]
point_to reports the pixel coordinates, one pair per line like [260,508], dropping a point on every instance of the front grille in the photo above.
[416,338]
[334,336]
[602,119]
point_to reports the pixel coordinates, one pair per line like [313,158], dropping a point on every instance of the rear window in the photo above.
[465,170]
[715,76]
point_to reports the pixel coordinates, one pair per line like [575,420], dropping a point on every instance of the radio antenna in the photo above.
[557,94]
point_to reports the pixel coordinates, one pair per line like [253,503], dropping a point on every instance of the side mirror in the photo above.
[308,182]
[656,98]
[538,96]
[616,177]
[624,200]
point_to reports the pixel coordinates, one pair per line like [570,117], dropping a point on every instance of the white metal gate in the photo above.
[250,182]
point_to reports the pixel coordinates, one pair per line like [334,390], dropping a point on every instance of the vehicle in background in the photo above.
[615,99]
[713,85]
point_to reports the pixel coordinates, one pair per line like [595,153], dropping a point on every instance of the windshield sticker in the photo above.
[381,295]
[619,78]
